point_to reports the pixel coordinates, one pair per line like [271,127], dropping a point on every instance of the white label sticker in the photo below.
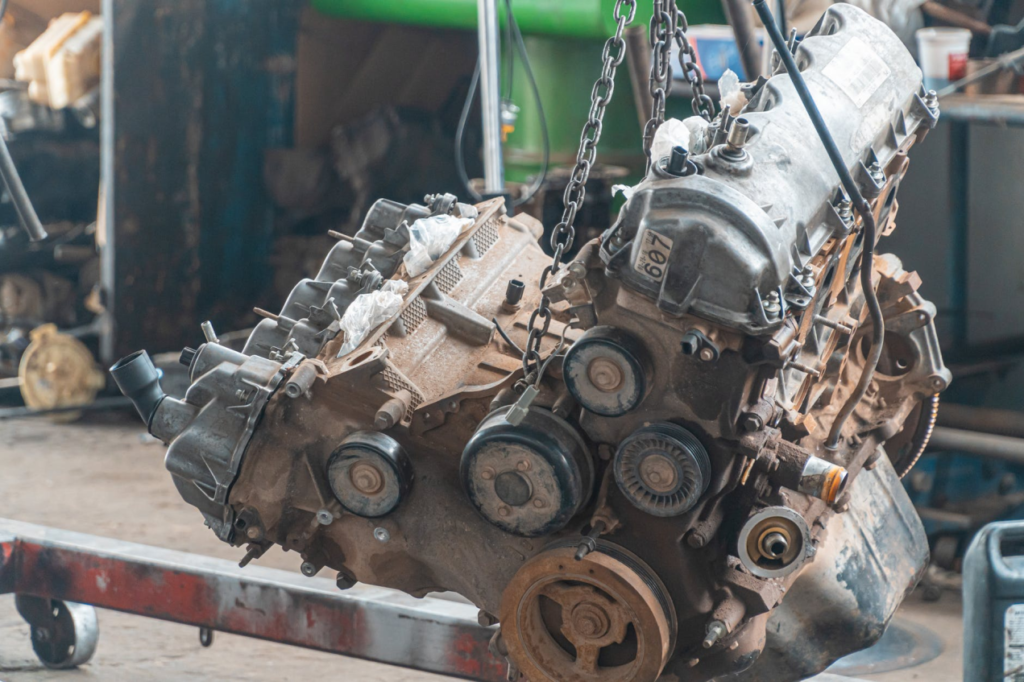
[655,250]
[1013,661]
[858,71]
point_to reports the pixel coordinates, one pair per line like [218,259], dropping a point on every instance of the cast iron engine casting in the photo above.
[663,504]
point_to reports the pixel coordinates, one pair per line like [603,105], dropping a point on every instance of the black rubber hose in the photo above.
[860,204]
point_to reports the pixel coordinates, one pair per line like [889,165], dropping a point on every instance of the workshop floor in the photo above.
[103,477]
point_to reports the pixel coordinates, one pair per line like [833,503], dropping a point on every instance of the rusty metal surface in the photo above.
[433,634]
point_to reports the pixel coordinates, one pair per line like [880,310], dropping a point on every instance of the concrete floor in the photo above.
[105,478]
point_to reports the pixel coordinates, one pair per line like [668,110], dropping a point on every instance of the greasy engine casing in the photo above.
[710,338]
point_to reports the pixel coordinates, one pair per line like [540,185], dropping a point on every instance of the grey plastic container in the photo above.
[994,604]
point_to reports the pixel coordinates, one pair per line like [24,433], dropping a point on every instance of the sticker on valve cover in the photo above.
[858,71]
[655,249]
[1013,654]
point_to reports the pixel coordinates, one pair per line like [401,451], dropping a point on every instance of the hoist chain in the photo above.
[668,27]
[565,232]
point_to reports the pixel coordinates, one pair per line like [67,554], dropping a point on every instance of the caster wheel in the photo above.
[64,634]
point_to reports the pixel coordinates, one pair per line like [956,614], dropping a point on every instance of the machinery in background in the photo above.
[672,458]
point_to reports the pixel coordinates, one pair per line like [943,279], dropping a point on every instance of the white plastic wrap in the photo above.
[430,238]
[731,94]
[671,133]
[369,311]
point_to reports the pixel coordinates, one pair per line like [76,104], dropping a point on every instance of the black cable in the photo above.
[859,203]
[460,132]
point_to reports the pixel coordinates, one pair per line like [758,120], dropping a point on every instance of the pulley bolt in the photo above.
[716,631]
[523,465]
[487,474]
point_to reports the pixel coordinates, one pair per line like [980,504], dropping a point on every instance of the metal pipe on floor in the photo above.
[984,419]
[490,96]
[1004,448]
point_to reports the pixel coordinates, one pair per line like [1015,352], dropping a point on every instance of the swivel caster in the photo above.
[64,634]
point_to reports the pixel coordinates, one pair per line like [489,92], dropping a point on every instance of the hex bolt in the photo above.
[309,569]
[931,100]
[381,534]
[696,539]
[751,422]
[716,631]
[707,354]
[324,517]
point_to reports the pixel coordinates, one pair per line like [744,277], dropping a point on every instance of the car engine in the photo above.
[673,493]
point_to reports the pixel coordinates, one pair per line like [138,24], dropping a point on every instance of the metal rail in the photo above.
[433,634]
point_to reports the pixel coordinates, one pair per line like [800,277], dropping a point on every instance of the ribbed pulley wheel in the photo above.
[662,469]
[606,618]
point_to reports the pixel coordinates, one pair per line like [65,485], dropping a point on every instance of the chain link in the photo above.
[564,234]
[668,27]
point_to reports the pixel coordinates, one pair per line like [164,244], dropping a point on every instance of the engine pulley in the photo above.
[529,479]
[606,617]
[606,372]
[662,469]
[370,474]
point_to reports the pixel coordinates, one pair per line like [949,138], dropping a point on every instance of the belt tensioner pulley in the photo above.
[606,617]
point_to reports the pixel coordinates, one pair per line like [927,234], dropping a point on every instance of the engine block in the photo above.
[657,500]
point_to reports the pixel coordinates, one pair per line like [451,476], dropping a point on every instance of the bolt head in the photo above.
[308,569]
[324,517]
[382,534]
[707,355]
[751,422]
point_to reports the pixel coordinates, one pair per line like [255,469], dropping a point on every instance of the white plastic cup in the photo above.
[943,54]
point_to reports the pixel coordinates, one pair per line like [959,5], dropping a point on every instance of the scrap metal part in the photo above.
[656,499]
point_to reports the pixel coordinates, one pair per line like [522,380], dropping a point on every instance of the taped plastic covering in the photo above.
[429,238]
[369,311]
[731,94]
